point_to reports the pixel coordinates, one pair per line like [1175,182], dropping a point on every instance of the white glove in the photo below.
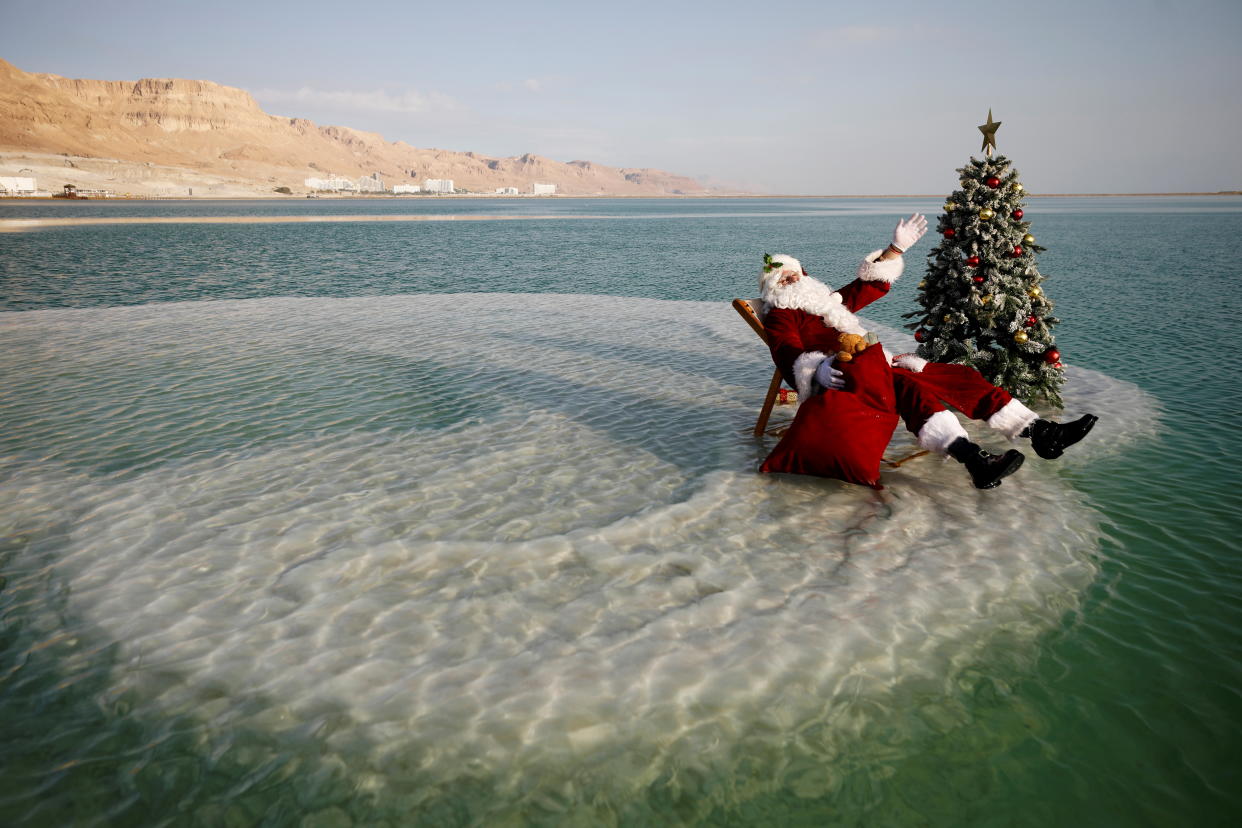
[828,376]
[909,231]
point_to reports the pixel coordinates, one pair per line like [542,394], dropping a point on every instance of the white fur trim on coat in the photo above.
[813,296]
[939,432]
[911,362]
[873,270]
[804,372]
[1012,418]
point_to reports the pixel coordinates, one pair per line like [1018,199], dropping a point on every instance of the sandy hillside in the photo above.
[164,136]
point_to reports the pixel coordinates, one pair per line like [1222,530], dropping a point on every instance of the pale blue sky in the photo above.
[776,96]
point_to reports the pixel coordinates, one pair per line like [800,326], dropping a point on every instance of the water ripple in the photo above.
[420,546]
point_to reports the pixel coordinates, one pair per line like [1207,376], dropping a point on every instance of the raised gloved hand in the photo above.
[828,376]
[909,231]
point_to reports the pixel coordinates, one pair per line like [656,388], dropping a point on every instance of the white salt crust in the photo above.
[576,577]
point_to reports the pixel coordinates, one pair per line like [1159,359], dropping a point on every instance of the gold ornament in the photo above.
[989,134]
[947,317]
[922,284]
[948,206]
[1017,187]
[1028,239]
[1020,337]
[985,299]
[1035,292]
[986,213]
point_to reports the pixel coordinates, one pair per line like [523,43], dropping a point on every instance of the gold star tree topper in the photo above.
[989,134]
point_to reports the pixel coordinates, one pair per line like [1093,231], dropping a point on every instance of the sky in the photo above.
[773,97]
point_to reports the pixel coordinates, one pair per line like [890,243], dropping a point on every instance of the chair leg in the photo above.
[768,402]
[897,463]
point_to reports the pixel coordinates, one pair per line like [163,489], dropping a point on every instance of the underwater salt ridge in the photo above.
[516,539]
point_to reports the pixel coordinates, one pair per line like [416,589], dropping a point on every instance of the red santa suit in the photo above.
[843,433]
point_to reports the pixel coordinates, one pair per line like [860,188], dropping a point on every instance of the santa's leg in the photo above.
[938,430]
[965,389]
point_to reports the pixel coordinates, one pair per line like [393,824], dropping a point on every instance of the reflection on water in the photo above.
[426,555]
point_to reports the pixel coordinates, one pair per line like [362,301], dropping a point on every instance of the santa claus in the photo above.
[851,391]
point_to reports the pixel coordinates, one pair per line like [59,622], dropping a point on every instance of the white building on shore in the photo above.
[543,189]
[438,185]
[332,182]
[506,191]
[398,189]
[15,186]
[371,184]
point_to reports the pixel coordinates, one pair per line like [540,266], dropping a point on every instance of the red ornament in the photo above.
[993,182]
[1017,250]
[1058,366]
[1053,356]
[950,233]
[977,279]
[1030,321]
[920,335]
[1016,214]
[973,261]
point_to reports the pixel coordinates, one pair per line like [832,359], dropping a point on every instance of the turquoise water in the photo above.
[150,370]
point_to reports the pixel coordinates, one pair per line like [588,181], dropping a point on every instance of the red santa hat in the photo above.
[774,267]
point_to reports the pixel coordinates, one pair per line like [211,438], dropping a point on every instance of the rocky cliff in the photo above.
[217,137]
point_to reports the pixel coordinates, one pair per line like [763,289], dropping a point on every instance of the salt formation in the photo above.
[516,539]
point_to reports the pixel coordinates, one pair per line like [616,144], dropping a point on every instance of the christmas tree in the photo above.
[981,303]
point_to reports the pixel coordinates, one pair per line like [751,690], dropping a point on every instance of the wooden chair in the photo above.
[749,310]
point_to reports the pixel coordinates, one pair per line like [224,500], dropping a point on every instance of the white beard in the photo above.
[813,296]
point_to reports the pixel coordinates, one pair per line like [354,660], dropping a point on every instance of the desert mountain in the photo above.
[153,134]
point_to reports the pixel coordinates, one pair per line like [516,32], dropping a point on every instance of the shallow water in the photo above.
[382,553]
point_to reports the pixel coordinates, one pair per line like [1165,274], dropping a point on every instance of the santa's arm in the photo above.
[875,276]
[881,268]
[797,365]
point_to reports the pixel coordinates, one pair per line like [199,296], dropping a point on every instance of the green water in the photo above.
[1128,713]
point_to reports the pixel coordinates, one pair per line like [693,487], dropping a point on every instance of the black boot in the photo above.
[1049,439]
[986,470]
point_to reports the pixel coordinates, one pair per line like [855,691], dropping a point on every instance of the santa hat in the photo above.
[774,267]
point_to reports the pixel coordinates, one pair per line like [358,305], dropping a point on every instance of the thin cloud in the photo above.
[839,35]
[536,85]
[716,141]
[378,100]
